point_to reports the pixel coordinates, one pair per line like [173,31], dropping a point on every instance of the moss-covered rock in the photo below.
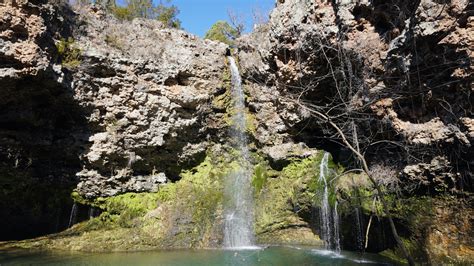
[286,200]
[433,229]
[189,213]
[182,214]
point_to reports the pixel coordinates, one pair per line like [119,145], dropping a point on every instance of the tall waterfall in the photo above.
[329,218]
[239,216]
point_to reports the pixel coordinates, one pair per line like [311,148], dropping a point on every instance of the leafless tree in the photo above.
[345,112]
[259,16]
[237,20]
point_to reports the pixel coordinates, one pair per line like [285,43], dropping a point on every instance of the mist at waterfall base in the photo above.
[269,256]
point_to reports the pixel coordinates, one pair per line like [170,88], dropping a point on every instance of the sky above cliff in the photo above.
[197,16]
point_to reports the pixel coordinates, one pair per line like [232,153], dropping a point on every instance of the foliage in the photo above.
[141,8]
[147,9]
[260,177]
[122,13]
[69,53]
[222,31]
[168,16]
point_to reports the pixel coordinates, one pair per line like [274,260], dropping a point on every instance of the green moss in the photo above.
[78,198]
[225,102]
[260,177]
[250,122]
[412,247]
[181,214]
[69,53]
[189,213]
[129,206]
[281,200]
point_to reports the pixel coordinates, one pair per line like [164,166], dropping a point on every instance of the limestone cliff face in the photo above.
[149,93]
[106,107]
[395,75]
[102,106]
[41,126]
[390,72]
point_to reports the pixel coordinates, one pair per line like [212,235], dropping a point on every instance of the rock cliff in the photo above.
[393,72]
[106,108]
[394,76]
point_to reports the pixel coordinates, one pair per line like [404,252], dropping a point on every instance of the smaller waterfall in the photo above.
[325,210]
[359,229]
[337,241]
[329,218]
[91,212]
[73,216]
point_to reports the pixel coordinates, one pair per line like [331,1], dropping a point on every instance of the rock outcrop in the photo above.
[104,106]
[41,127]
[109,108]
[402,77]
[149,91]
[396,76]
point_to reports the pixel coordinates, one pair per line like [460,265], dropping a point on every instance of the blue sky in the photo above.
[197,16]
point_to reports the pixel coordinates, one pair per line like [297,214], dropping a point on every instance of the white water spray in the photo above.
[239,216]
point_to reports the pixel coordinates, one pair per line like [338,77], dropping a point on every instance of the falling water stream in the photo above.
[335,220]
[73,216]
[329,219]
[359,229]
[239,216]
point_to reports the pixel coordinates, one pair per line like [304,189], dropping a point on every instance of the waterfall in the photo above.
[91,212]
[359,230]
[324,211]
[329,218]
[337,242]
[238,215]
[73,216]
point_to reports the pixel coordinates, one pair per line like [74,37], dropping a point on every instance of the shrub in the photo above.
[69,53]
[113,41]
[122,13]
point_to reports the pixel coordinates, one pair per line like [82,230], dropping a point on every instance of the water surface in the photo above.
[268,256]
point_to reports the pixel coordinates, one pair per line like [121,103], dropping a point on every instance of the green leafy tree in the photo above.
[141,8]
[168,15]
[222,31]
[122,13]
[163,12]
